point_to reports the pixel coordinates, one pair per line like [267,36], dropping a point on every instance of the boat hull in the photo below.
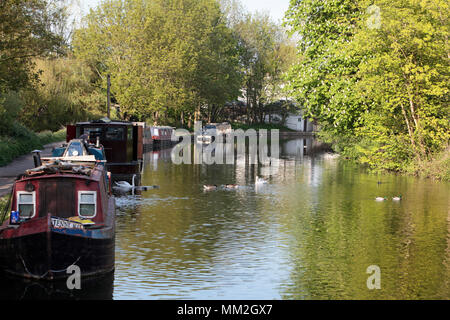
[47,252]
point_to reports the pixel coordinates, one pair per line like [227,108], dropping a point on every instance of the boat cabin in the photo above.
[60,213]
[122,142]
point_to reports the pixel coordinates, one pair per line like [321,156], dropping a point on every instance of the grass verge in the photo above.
[23,141]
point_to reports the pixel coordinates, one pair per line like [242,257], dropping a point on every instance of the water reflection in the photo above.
[14,288]
[310,233]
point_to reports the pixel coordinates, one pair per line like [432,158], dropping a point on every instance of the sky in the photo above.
[275,8]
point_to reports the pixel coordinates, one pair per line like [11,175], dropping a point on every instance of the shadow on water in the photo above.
[94,288]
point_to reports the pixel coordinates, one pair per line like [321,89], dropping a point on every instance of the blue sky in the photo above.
[275,8]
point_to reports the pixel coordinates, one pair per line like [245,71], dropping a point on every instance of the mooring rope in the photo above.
[44,274]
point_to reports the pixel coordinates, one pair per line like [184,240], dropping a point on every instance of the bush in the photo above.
[22,141]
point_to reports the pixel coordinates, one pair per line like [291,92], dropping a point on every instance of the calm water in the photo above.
[310,233]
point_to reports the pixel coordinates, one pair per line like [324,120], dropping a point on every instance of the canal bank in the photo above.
[18,166]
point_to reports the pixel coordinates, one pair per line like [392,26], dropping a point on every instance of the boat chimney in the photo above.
[97,142]
[37,158]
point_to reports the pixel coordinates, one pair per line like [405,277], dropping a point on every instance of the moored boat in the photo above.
[61,214]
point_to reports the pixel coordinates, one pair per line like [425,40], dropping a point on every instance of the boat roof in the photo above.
[100,123]
[80,167]
[72,159]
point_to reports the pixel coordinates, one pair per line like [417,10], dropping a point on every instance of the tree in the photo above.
[167,58]
[25,32]
[324,76]
[375,77]
[405,74]
[266,54]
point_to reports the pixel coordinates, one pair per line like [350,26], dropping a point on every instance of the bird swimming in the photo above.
[209,187]
[380,198]
[231,186]
[397,198]
[125,186]
[260,180]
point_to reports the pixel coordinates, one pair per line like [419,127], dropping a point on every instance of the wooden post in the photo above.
[108,96]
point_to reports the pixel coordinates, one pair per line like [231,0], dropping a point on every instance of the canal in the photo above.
[311,232]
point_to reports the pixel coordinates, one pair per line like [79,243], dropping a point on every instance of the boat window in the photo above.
[93,132]
[130,134]
[26,204]
[156,132]
[87,204]
[115,133]
[75,149]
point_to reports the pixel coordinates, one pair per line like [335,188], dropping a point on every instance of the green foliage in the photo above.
[22,141]
[25,32]
[11,105]
[265,54]
[64,94]
[323,79]
[376,78]
[165,57]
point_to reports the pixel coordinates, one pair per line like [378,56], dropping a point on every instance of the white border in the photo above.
[95,203]
[18,202]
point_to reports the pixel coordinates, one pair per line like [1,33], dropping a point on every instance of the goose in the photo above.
[260,180]
[397,198]
[380,198]
[209,187]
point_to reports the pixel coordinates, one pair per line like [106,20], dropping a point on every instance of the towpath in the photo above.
[9,172]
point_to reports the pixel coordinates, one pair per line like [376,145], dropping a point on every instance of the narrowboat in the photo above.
[161,137]
[77,148]
[212,130]
[122,142]
[61,213]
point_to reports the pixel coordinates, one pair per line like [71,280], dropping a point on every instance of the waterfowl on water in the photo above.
[125,186]
[231,186]
[397,198]
[260,180]
[209,187]
[380,198]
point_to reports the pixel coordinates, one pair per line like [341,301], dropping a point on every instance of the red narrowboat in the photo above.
[161,136]
[62,213]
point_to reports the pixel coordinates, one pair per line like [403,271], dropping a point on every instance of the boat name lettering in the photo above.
[65,224]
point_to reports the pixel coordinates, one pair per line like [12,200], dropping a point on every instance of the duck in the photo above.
[397,198]
[209,187]
[380,198]
[231,186]
[146,188]
[260,180]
